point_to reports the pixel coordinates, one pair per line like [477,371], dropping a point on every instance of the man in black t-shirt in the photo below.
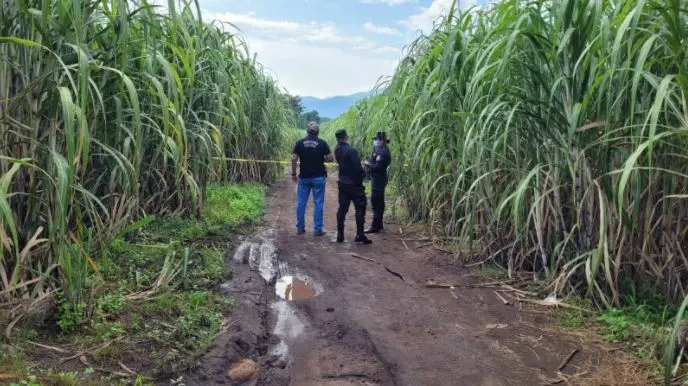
[312,152]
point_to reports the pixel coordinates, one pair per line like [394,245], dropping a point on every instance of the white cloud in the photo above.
[250,21]
[370,27]
[374,47]
[313,59]
[387,49]
[279,29]
[330,34]
[391,3]
[427,16]
[320,71]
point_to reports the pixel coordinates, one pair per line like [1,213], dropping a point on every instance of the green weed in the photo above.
[176,228]
[493,271]
[70,314]
[225,209]
[64,379]
[206,267]
[233,205]
[111,302]
[30,380]
[12,359]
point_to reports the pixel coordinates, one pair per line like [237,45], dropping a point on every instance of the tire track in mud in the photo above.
[274,332]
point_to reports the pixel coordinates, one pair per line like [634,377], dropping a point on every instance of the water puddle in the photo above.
[292,288]
[260,254]
[288,325]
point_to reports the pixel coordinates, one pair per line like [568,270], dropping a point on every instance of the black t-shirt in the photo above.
[350,169]
[312,151]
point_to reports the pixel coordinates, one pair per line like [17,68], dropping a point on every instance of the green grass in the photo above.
[494,271]
[641,327]
[226,209]
[231,206]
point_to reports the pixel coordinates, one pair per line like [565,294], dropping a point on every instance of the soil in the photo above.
[367,317]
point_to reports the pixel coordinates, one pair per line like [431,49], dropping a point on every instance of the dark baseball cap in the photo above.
[381,135]
[341,134]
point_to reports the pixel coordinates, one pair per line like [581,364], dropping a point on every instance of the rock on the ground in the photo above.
[244,370]
[276,361]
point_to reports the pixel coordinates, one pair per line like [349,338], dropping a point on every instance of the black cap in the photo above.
[341,134]
[381,135]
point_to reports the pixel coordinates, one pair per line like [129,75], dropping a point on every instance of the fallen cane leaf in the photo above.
[49,347]
[567,359]
[125,368]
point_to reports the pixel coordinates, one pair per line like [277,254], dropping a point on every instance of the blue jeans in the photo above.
[317,185]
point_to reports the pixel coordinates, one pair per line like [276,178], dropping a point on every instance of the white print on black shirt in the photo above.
[309,143]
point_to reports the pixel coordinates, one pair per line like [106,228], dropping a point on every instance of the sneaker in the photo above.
[363,240]
[372,230]
[318,233]
[340,239]
[300,231]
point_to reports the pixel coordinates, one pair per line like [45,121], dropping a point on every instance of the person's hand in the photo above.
[295,178]
[365,163]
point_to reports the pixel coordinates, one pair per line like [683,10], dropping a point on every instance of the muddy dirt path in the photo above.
[370,324]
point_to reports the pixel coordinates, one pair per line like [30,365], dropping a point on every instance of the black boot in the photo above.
[362,239]
[340,233]
[374,228]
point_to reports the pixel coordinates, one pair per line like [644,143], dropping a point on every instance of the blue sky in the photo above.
[328,47]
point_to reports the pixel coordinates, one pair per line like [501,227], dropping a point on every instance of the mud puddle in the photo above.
[289,285]
[294,288]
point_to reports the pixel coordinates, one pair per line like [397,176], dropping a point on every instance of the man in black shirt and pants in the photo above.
[350,187]
[378,165]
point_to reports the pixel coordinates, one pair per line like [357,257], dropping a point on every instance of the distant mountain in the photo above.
[331,107]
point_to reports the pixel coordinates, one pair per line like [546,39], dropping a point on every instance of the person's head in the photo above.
[341,136]
[313,128]
[380,139]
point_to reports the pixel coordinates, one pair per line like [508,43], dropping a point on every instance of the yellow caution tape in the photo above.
[269,161]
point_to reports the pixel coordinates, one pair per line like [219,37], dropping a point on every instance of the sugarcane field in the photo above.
[343,192]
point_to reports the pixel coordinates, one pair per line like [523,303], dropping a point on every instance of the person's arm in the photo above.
[370,160]
[355,162]
[294,159]
[329,157]
[379,162]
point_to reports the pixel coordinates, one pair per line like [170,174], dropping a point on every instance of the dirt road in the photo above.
[374,322]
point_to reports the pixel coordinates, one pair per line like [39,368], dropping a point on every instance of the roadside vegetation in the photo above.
[155,307]
[119,125]
[550,136]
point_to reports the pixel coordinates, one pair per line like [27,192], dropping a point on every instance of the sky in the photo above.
[326,48]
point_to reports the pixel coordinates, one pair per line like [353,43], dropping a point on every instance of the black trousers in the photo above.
[349,193]
[377,202]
